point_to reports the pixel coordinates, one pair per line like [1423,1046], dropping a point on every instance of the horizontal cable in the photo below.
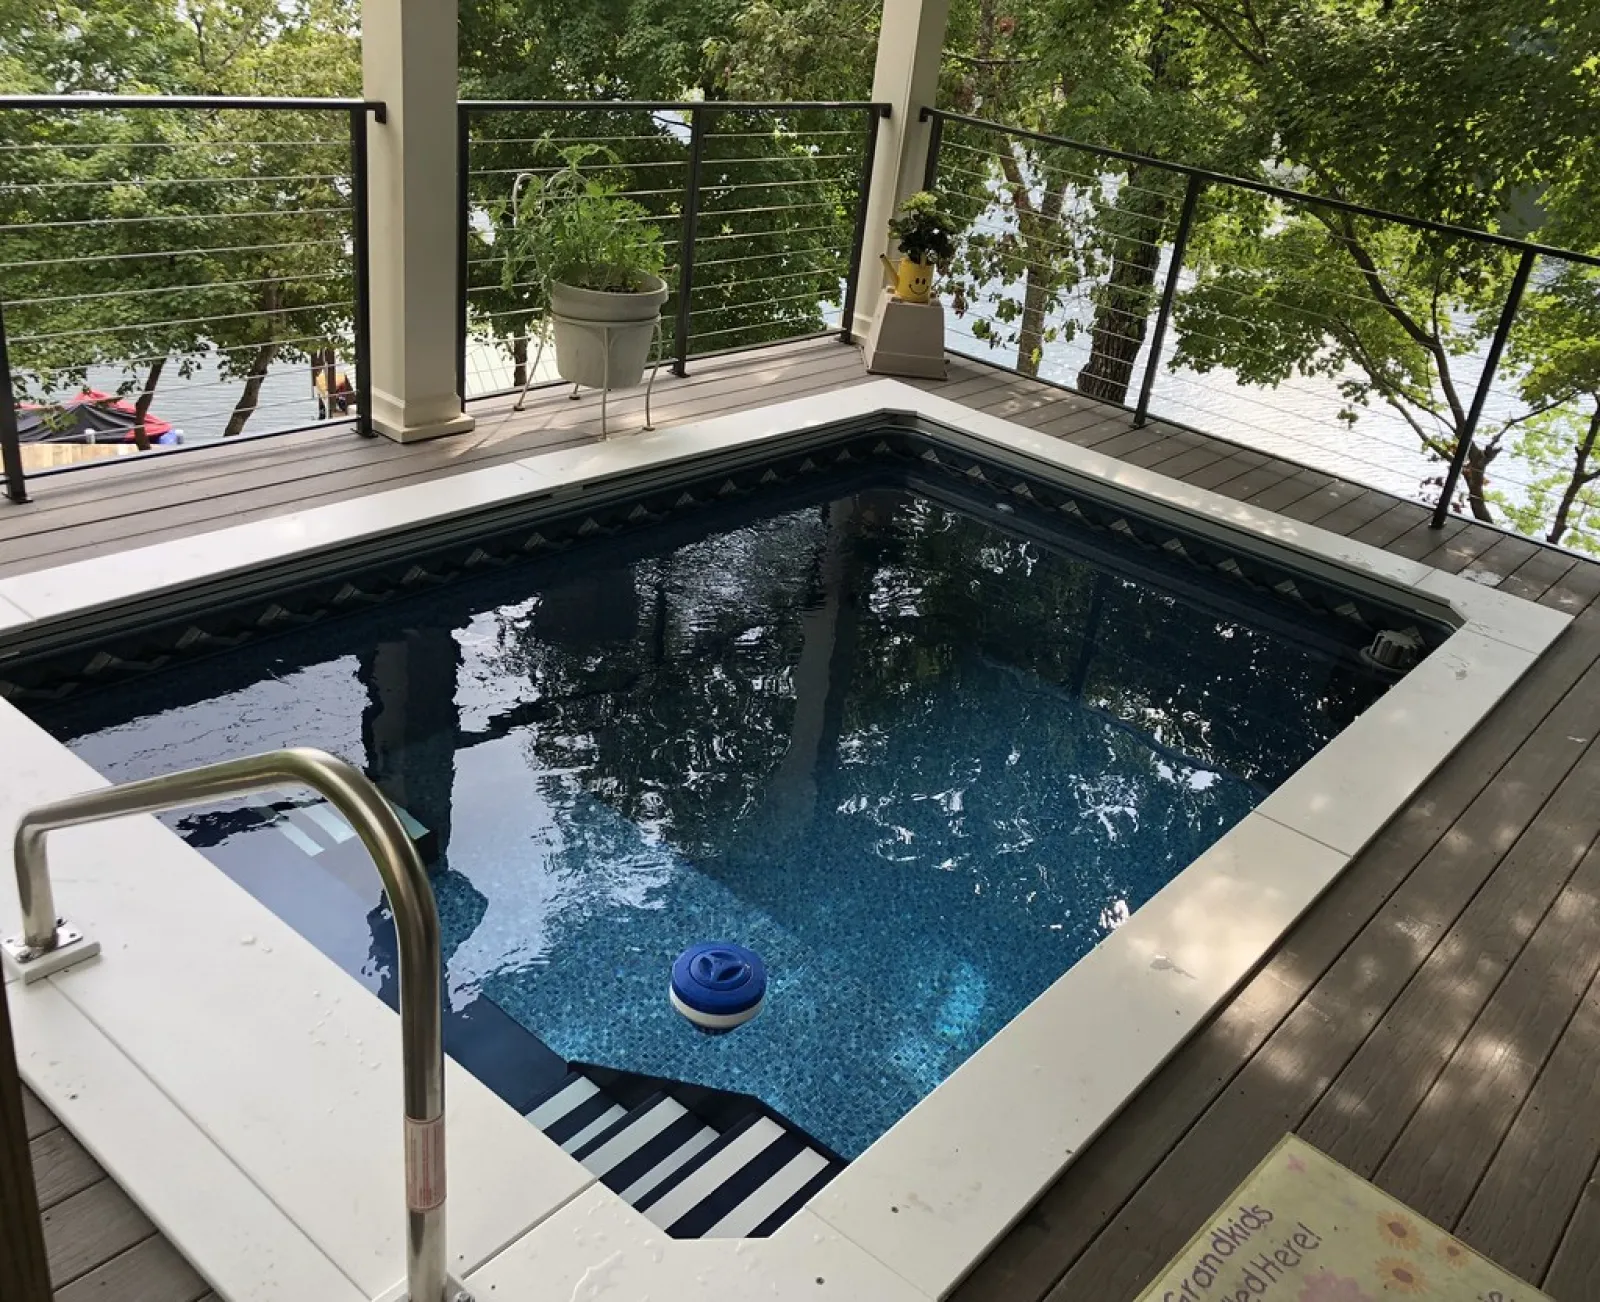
[184,217]
[835,258]
[1033,162]
[582,169]
[764,302]
[167,325]
[564,140]
[706,213]
[771,159]
[146,291]
[80,367]
[172,253]
[720,187]
[758,235]
[751,326]
[176,180]
[209,146]
[785,135]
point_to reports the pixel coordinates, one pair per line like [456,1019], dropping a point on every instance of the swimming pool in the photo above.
[939,1185]
[919,752]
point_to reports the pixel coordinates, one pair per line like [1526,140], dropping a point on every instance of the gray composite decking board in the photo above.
[1462,549]
[61,1167]
[1449,1141]
[1379,1091]
[1348,515]
[1575,1272]
[1391,525]
[1539,573]
[1290,492]
[89,1229]
[38,1117]
[149,1271]
[1503,558]
[1576,590]
[1126,1155]
[1522,1206]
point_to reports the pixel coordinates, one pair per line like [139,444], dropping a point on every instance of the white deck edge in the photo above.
[209,1012]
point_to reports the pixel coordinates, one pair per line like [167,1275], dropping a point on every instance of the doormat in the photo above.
[1304,1229]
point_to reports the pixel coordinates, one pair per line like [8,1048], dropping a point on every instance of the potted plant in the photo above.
[593,258]
[927,240]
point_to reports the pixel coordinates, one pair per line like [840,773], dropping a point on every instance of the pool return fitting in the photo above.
[49,944]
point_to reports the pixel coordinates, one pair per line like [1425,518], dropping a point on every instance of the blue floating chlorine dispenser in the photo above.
[718,985]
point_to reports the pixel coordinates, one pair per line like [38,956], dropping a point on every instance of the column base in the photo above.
[416,422]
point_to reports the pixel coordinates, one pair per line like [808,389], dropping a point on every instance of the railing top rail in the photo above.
[679,106]
[1275,191]
[275,102]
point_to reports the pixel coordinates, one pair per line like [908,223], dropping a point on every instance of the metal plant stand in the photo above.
[605,328]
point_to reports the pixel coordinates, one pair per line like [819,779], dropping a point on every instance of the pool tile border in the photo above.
[906,1219]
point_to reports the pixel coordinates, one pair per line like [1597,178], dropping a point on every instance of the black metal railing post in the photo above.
[463,150]
[1169,292]
[858,241]
[1491,363]
[930,169]
[691,228]
[361,253]
[10,441]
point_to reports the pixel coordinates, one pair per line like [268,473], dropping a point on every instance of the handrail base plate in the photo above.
[30,964]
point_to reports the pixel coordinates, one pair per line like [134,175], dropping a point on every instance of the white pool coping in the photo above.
[246,1092]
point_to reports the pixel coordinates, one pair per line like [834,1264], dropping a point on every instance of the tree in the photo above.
[142,238]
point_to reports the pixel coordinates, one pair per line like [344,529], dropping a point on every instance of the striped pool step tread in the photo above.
[628,1135]
[746,1213]
[684,1176]
[659,1159]
[570,1092]
[696,1180]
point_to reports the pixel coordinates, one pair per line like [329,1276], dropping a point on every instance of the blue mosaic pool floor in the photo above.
[921,762]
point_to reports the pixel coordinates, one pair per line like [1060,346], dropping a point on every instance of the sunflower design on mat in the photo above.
[1325,1286]
[1400,1231]
[1401,1277]
[1453,1254]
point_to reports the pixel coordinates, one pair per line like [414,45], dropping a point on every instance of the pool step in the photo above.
[679,1171]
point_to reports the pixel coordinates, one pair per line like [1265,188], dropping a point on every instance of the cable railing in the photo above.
[1442,364]
[178,272]
[762,208]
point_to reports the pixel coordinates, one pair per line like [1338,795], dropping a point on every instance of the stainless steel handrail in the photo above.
[416,921]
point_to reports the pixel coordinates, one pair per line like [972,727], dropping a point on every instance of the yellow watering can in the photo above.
[910,280]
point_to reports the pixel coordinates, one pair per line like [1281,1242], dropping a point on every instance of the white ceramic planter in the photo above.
[591,322]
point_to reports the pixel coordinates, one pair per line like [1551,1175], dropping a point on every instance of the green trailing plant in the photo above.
[575,227]
[924,233]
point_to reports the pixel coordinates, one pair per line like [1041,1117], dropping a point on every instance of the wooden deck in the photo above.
[1433,1022]
[101,1247]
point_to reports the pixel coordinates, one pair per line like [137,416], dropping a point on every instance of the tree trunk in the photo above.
[1475,474]
[141,409]
[1122,312]
[519,355]
[252,389]
[1037,229]
[1582,477]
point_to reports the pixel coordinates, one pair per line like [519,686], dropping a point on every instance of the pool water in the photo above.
[917,758]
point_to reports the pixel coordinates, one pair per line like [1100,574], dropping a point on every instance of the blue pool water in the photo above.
[918,760]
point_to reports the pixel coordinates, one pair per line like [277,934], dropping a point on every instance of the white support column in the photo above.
[408,56]
[906,77]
